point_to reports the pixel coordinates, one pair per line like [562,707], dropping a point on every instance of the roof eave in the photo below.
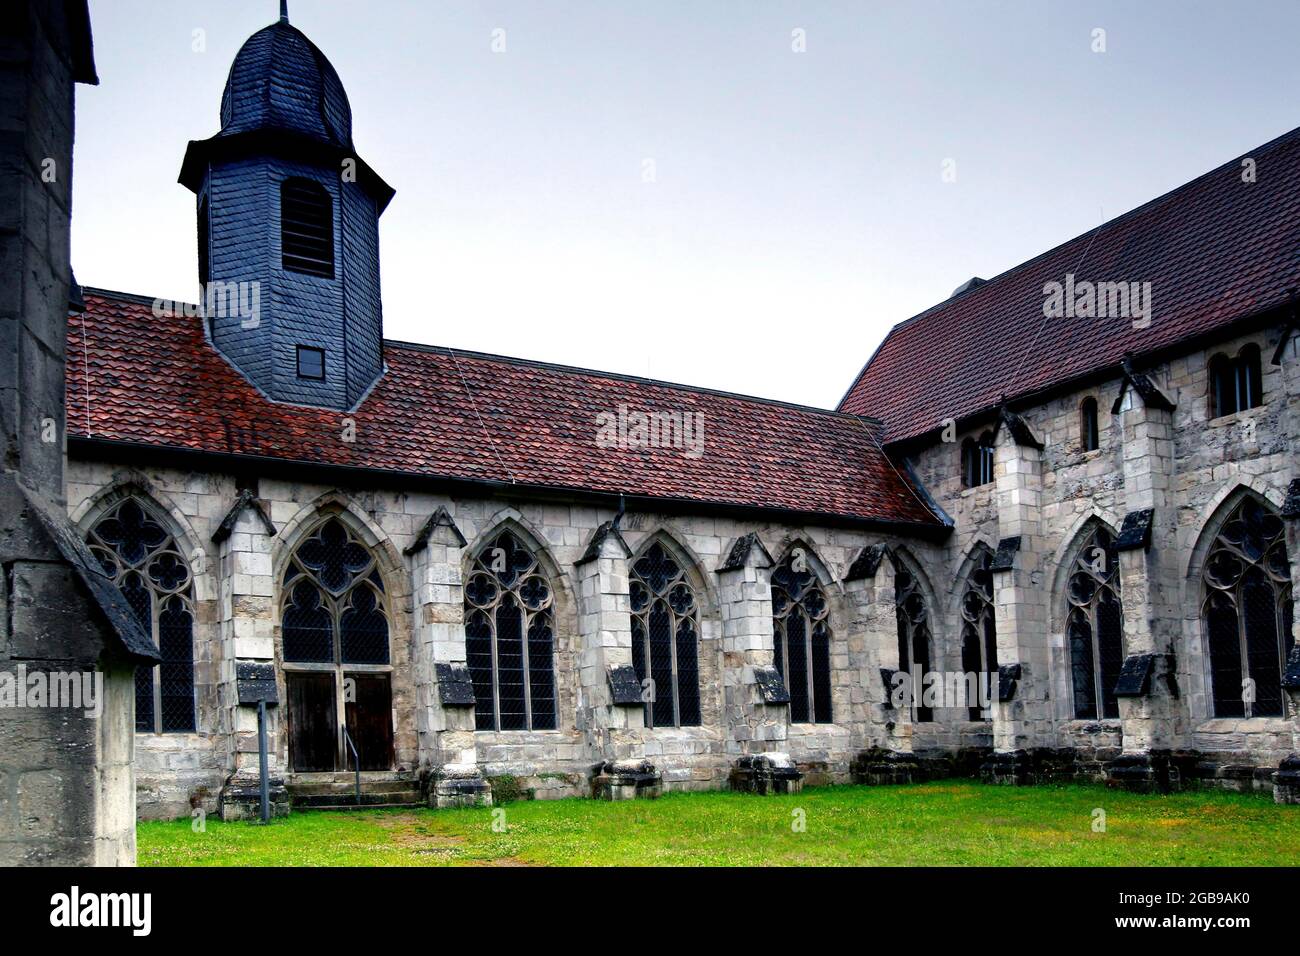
[1249,322]
[200,153]
[101,449]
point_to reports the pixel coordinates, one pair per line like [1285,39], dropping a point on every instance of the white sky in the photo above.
[798,209]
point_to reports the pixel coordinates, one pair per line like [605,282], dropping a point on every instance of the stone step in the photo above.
[344,787]
[369,798]
[307,778]
[363,806]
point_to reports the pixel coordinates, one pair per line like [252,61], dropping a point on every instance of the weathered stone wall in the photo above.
[237,587]
[66,784]
[1193,470]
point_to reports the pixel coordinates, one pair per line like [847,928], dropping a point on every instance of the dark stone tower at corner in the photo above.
[285,202]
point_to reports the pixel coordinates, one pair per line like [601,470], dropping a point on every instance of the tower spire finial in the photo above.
[284,11]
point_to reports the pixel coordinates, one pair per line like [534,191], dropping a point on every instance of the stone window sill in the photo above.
[1235,418]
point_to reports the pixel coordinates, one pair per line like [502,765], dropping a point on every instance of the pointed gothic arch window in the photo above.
[334,601]
[144,560]
[913,634]
[979,635]
[1247,612]
[1094,627]
[802,632]
[306,228]
[510,637]
[665,638]
[335,650]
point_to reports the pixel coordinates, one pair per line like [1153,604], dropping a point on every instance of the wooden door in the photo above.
[313,722]
[370,721]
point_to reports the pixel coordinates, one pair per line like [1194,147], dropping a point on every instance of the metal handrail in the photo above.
[356,758]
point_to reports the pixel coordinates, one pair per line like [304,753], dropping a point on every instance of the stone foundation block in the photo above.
[1014,767]
[458,785]
[241,799]
[1032,766]
[626,780]
[765,774]
[1151,772]
[1286,782]
[880,767]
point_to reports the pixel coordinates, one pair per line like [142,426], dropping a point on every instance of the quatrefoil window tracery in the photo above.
[665,638]
[144,560]
[510,638]
[334,608]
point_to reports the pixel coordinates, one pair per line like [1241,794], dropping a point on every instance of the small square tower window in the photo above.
[311,362]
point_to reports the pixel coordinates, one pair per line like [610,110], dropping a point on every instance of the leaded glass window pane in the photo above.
[913,635]
[510,638]
[801,629]
[1247,613]
[665,632]
[333,611]
[145,562]
[1094,626]
[979,648]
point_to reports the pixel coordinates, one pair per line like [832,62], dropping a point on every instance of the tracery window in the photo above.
[913,634]
[510,638]
[665,639]
[979,636]
[1247,613]
[1095,627]
[334,607]
[801,625]
[145,562]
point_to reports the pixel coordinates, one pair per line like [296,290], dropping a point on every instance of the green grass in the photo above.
[942,823]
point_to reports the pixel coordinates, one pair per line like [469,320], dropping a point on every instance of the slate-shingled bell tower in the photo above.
[285,202]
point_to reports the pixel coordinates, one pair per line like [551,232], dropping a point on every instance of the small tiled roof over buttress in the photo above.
[1223,247]
[158,384]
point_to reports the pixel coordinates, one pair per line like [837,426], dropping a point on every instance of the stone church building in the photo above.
[1033,542]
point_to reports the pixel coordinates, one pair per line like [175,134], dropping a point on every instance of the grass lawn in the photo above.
[942,823]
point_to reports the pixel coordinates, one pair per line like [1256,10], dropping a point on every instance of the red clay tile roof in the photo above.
[160,383]
[1214,250]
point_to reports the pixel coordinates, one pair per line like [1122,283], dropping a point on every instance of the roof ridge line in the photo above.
[1268,146]
[538,363]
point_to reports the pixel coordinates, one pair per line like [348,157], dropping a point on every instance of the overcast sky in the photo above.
[796,206]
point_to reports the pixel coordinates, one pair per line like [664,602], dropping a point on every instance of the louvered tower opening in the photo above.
[306,228]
